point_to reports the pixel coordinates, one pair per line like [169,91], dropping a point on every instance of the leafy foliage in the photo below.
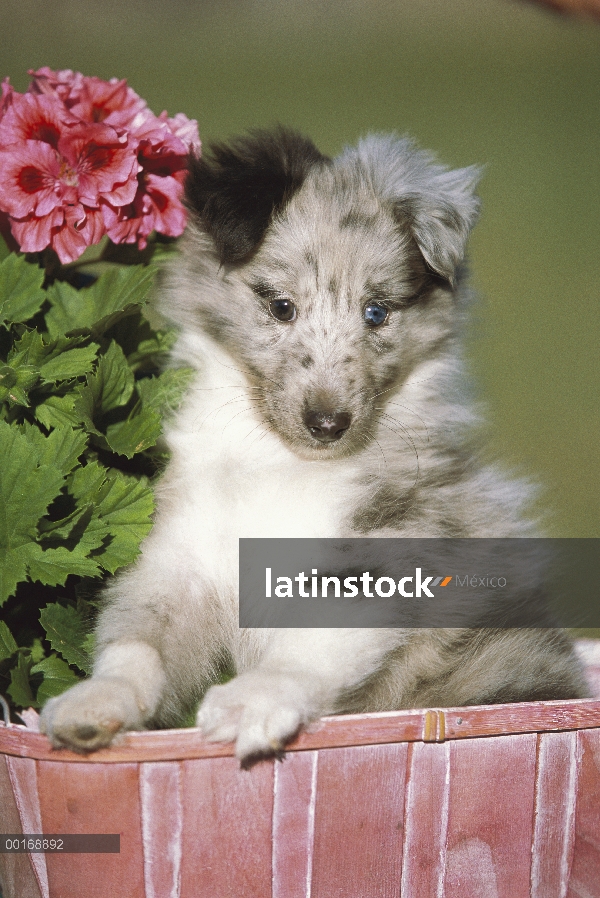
[81,409]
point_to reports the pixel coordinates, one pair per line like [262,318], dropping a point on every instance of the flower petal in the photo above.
[65,84]
[102,161]
[112,102]
[32,117]
[29,181]
[82,227]
[34,234]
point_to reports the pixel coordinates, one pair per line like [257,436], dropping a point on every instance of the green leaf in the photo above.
[112,382]
[86,482]
[60,411]
[32,358]
[123,505]
[89,645]
[166,391]
[90,485]
[29,349]
[84,407]
[127,508]
[33,349]
[4,250]
[84,534]
[66,632]
[143,345]
[27,488]
[21,294]
[52,566]
[60,449]
[16,382]
[8,646]
[70,363]
[94,309]
[13,570]
[58,677]
[37,650]
[137,433]
[63,529]
[19,689]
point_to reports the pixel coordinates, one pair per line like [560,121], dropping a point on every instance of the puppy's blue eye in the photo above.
[282,309]
[375,314]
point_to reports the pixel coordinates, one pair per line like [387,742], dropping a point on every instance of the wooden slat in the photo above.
[490,815]
[359,822]
[585,871]
[293,824]
[161,801]
[89,798]
[524,717]
[227,828]
[23,776]
[16,870]
[426,820]
[554,820]
[329,732]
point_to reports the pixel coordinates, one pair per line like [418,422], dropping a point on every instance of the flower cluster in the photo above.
[81,157]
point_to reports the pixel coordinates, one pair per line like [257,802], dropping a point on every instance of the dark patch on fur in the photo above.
[387,508]
[356,219]
[311,261]
[452,467]
[307,361]
[379,293]
[236,190]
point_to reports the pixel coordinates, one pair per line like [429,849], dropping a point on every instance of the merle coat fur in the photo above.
[321,303]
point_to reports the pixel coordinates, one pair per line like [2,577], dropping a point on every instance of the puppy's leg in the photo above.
[302,674]
[123,694]
[156,645]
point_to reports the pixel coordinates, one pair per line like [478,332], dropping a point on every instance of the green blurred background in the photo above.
[494,82]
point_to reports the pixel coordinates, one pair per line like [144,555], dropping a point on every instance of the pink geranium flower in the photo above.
[112,102]
[82,157]
[92,99]
[64,84]
[157,205]
[30,117]
[55,168]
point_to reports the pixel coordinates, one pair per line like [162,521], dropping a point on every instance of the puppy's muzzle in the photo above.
[327,426]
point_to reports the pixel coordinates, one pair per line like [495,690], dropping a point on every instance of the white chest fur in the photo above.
[232,477]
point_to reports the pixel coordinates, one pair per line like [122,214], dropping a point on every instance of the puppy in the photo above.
[321,303]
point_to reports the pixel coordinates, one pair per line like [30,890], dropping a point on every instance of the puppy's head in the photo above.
[330,280]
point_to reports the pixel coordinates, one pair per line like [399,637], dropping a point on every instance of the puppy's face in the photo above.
[336,302]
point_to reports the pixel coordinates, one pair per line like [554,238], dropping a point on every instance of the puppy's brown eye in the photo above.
[282,309]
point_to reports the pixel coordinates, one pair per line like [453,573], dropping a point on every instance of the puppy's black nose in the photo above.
[326,426]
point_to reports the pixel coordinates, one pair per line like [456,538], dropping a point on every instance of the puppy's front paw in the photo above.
[259,710]
[90,715]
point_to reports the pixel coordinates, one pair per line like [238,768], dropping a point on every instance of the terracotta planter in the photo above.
[481,802]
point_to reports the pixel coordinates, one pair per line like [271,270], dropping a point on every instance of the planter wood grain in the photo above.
[483,802]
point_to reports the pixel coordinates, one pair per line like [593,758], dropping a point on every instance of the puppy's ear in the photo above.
[236,190]
[438,206]
[441,217]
